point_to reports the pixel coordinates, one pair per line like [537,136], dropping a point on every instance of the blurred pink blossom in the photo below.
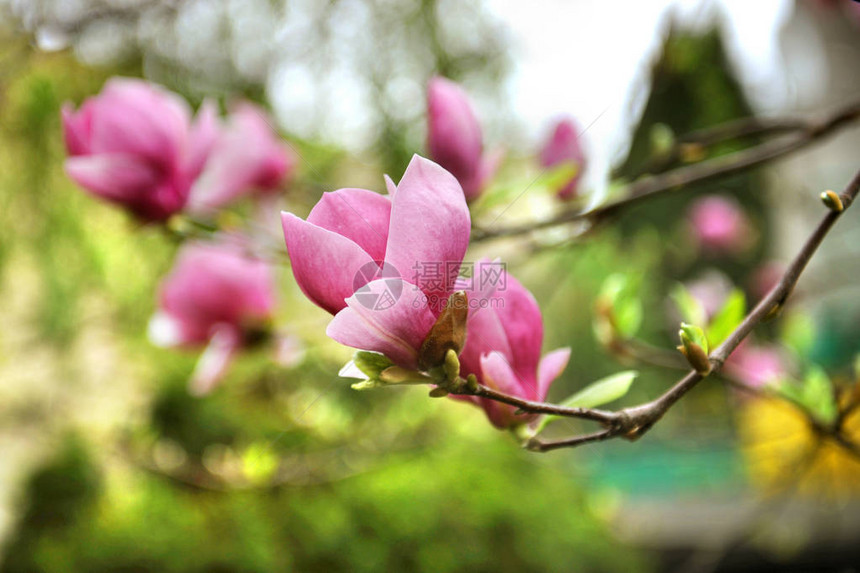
[134,144]
[719,224]
[247,157]
[565,147]
[710,289]
[755,365]
[218,296]
[454,137]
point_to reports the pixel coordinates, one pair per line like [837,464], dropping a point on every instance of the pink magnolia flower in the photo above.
[216,295]
[418,232]
[503,349]
[135,145]
[454,137]
[384,265]
[719,224]
[247,157]
[710,289]
[755,365]
[564,147]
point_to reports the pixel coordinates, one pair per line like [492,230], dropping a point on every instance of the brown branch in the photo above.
[710,136]
[537,445]
[633,422]
[743,127]
[540,407]
[647,354]
[654,186]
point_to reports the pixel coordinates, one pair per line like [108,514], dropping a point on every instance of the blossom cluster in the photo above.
[389,268]
[423,218]
[137,145]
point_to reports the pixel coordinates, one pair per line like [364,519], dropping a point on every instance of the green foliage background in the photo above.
[315,477]
[288,469]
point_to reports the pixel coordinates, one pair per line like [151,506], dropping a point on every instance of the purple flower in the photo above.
[247,157]
[711,289]
[454,137]
[135,145]
[564,147]
[216,295]
[503,349]
[719,224]
[383,265]
[756,365]
[418,233]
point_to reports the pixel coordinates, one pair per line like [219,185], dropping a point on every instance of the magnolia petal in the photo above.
[484,334]
[77,127]
[520,317]
[324,263]
[551,366]
[454,135]
[202,138]
[565,146]
[430,227]
[389,316]
[134,116]
[219,282]
[247,158]
[118,177]
[359,215]
[215,283]
[498,374]
[390,186]
[289,350]
[213,363]
[274,159]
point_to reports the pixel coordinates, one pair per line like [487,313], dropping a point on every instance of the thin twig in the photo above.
[543,408]
[648,354]
[633,422]
[705,138]
[743,127]
[649,187]
[537,445]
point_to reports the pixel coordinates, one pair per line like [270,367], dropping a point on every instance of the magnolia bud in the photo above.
[833,201]
[438,392]
[448,333]
[691,152]
[694,346]
[371,363]
[452,365]
[400,375]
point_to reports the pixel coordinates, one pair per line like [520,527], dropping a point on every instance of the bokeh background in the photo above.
[108,464]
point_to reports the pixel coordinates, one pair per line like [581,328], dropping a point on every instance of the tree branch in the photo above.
[532,407]
[537,445]
[633,422]
[807,132]
[708,137]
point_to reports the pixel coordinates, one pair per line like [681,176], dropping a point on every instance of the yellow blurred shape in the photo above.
[782,449]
